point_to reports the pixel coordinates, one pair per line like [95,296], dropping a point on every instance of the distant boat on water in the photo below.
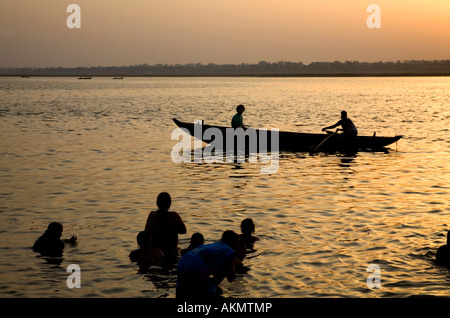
[84,77]
[118,77]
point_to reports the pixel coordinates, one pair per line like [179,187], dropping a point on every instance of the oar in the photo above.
[323,141]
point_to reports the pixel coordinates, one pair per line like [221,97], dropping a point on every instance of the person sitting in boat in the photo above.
[237,120]
[443,253]
[348,127]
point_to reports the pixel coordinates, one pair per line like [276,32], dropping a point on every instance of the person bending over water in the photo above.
[164,226]
[146,255]
[50,243]
[196,267]
[443,253]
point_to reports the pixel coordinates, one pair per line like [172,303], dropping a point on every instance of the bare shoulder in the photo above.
[152,214]
[174,214]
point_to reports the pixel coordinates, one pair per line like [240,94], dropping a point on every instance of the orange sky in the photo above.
[34,33]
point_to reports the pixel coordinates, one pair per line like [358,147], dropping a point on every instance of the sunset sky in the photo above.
[120,33]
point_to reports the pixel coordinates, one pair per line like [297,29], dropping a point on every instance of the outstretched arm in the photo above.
[332,126]
[72,240]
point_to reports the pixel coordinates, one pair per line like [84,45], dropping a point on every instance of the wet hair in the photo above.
[247,226]
[197,239]
[231,238]
[240,106]
[54,229]
[164,201]
[144,239]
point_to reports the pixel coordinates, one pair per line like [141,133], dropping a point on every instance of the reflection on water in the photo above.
[94,156]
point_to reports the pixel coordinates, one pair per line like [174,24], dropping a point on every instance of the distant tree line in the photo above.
[282,68]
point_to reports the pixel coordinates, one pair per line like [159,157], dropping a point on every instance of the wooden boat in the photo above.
[302,142]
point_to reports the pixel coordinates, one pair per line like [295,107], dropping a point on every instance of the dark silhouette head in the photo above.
[247,226]
[54,229]
[144,239]
[231,238]
[343,114]
[240,109]
[197,239]
[164,201]
[448,238]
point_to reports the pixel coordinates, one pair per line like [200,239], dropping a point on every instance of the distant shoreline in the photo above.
[261,69]
[249,75]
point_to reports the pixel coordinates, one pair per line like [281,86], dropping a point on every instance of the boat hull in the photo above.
[292,141]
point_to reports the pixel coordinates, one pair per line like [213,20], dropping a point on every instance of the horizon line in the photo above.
[229,64]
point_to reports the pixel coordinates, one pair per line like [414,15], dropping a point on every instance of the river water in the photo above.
[94,154]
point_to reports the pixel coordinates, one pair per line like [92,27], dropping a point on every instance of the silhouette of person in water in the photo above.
[443,253]
[197,239]
[247,229]
[348,127]
[237,120]
[196,267]
[164,226]
[50,243]
[146,255]
[246,244]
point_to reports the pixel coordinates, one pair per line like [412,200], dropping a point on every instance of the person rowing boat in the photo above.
[348,127]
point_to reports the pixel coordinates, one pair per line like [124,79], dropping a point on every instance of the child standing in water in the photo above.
[246,244]
[197,240]
[248,229]
[146,255]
